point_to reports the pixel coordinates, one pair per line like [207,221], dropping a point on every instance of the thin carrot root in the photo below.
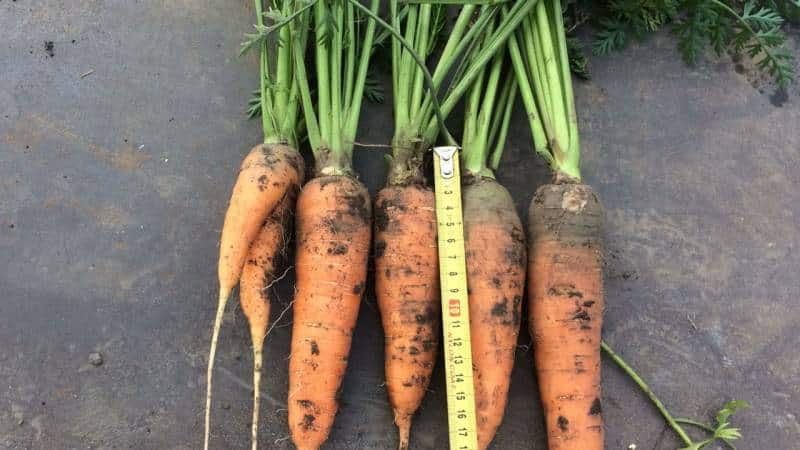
[496,257]
[404,430]
[333,238]
[566,312]
[257,275]
[265,176]
[224,294]
[407,288]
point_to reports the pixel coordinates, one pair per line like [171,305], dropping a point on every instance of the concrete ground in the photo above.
[119,145]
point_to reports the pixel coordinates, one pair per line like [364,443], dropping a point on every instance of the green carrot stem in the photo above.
[508,97]
[354,108]
[646,389]
[504,30]
[323,67]
[524,83]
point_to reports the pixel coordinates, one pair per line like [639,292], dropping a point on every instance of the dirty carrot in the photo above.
[494,244]
[565,271]
[333,218]
[269,176]
[258,274]
[406,263]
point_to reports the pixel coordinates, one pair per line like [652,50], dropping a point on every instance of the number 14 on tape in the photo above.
[455,307]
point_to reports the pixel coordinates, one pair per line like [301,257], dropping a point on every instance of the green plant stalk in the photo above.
[500,133]
[323,74]
[267,128]
[534,118]
[477,120]
[498,41]
[572,157]
[423,44]
[353,112]
[646,389]
[539,56]
[419,62]
[335,60]
[350,61]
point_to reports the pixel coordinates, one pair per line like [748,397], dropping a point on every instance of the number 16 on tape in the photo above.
[455,306]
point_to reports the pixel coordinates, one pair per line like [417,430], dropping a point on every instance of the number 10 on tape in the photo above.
[455,309]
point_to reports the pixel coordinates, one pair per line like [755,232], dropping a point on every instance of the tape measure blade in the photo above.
[455,303]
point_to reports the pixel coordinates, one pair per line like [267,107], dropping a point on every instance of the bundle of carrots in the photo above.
[406,265]
[333,211]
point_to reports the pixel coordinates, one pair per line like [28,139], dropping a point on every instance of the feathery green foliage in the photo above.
[753,27]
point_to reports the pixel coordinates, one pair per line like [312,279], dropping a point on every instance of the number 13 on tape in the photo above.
[455,306]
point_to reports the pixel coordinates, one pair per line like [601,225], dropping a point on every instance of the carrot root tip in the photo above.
[257,359]
[404,429]
[224,294]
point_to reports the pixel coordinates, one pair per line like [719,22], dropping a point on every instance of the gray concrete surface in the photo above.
[113,186]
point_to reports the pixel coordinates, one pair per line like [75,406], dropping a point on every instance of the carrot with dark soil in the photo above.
[407,288]
[494,243]
[333,218]
[565,275]
[333,239]
[265,190]
[258,275]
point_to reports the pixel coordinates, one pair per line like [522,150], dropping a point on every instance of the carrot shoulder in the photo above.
[407,288]
[566,312]
[333,238]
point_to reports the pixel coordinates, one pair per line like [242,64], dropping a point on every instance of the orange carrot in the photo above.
[407,287]
[333,238]
[495,250]
[266,174]
[257,276]
[566,312]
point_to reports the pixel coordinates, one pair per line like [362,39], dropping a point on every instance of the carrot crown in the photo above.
[539,55]
[341,59]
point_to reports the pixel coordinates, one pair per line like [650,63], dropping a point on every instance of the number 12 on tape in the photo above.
[455,306]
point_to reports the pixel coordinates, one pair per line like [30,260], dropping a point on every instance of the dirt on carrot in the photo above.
[566,312]
[407,288]
[333,239]
[496,258]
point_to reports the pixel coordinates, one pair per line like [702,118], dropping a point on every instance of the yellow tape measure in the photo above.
[455,306]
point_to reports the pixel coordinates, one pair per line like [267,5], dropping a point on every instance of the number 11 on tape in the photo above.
[455,307]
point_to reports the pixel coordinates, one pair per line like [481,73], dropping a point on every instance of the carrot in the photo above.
[566,312]
[565,233]
[333,217]
[494,243]
[495,251]
[265,177]
[407,288]
[333,238]
[269,176]
[257,277]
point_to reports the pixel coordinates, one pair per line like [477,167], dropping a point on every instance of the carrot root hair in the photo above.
[224,295]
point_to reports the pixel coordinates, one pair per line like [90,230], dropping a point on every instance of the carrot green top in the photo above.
[480,31]
[539,55]
[278,100]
